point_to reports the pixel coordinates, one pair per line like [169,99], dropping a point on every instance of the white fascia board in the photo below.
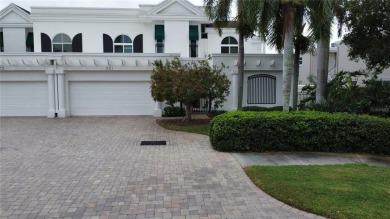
[50,14]
[165,4]
[174,18]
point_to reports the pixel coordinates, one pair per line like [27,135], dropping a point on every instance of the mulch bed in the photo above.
[181,122]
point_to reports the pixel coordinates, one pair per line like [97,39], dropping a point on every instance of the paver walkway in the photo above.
[95,168]
[308,158]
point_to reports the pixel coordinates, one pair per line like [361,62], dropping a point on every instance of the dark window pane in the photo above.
[118,49]
[232,40]
[67,47]
[66,38]
[160,48]
[225,40]
[57,47]
[193,51]
[128,49]
[224,49]
[57,38]
[119,39]
[233,49]
[126,39]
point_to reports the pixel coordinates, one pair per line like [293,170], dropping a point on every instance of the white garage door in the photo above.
[23,98]
[110,98]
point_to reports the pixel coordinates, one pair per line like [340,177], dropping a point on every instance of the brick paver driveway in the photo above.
[96,168]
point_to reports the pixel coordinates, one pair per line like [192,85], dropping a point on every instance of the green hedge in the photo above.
[215,113]
[300,131]
[170,111]
[259,108]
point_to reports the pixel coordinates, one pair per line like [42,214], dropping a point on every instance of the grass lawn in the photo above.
[335,191]
[199,126]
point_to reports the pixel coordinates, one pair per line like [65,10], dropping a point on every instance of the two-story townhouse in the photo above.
[60,62]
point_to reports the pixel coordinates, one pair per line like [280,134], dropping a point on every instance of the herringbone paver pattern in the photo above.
[96,168]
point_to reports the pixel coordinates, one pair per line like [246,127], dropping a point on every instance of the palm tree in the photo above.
[321,17]
[271,18]
[219,11]
[301,46]
[276,24]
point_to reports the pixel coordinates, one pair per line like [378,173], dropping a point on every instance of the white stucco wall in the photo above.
[177,37]
[14,39]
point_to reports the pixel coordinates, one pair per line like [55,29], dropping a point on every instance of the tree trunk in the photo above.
[240,70]
[322,69]
[188,112]
[296,76]
[288,27]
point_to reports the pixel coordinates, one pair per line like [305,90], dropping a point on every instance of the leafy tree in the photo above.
[369,36]
[175,82]
[342,95]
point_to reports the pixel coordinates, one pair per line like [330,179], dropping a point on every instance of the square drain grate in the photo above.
[145,143]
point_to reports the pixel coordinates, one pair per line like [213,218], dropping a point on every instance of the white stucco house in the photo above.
[338,61]
[61,62]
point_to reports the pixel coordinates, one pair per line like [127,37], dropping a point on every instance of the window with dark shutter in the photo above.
[77,43]
[45,43]
[108,44]
[138,44]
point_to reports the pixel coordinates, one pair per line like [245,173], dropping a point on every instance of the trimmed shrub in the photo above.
[259,108]
[300,131]
[170,111]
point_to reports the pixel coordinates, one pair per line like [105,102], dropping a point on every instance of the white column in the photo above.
[157,109]
[61,93]
[50,91]
[235,91]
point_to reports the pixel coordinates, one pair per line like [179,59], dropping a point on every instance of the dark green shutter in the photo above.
[159,33]
[30,39]
[1,39]
[194,33]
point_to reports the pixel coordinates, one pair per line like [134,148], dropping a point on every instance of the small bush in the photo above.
[259,108]
[300,131]
[215,113]
[170,111]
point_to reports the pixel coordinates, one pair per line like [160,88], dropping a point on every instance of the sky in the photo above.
[26,4]
[85,3]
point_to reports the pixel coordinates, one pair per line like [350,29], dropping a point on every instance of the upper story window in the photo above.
[62,43]
[193,48]
[123,44]
[159,36]
[159,46]
[193,37]
[30,42]
[229,45]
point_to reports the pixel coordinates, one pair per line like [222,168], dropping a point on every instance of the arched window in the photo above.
[229,45]
[62,43]
[261,89]
[123,44]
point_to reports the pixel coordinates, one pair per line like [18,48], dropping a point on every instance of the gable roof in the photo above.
[20,16]
[174,9]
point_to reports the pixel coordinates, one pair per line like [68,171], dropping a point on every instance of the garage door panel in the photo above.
[110,98]
[23,98]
